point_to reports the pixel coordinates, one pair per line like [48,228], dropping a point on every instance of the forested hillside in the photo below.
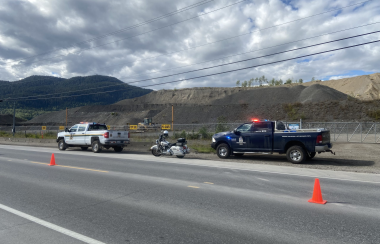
[35,86]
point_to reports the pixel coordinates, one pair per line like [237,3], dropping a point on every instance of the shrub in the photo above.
[222,125]
[204,133]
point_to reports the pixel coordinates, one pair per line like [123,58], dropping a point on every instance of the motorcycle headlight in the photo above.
[213,139]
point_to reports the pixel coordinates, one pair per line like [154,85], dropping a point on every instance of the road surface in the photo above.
[129,198]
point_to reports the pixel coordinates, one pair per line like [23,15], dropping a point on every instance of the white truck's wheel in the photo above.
[62,145]
[96,147]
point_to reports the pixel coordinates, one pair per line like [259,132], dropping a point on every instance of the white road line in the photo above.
[262,179]
[51,226]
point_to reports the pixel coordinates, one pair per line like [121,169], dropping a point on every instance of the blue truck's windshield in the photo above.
[244,128]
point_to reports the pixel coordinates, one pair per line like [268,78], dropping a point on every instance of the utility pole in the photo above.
[172,117]
[14,119]
[66,117]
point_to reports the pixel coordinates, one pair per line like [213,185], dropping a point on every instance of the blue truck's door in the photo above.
[240,141]
[260,137]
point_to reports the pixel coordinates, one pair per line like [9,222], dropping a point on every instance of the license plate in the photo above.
[119,142]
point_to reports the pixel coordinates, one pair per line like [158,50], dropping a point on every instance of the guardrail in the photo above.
[363,132]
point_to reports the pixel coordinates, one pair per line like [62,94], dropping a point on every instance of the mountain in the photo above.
[35,86]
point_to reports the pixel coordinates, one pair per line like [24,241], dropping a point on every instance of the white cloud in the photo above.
[338,77]
[58,25]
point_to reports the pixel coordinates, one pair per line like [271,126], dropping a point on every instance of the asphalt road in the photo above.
[124,198]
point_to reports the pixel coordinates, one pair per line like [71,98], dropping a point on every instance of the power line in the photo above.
[211,67]
[159,71]
[266,28]
[203,62]
[84,49]
[203,76]
[268,55]
[284,60]
[124,29]
[229,38]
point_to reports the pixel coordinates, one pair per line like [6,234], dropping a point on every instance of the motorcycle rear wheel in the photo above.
[156,152]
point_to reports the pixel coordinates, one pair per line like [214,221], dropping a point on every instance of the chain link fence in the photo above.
[363,132]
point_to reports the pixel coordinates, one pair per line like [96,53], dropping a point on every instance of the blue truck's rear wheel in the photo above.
[296,154]
[223,151]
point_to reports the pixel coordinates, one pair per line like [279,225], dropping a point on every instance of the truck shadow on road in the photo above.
[315,161]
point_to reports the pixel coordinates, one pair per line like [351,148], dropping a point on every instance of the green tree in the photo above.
[272,82]
[221,125]
[260,81]
[250,82]
[288,81]
[244,84]
[300,81]
[313,79]
[238,83]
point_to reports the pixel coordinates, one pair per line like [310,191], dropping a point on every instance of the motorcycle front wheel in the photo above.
[156,152]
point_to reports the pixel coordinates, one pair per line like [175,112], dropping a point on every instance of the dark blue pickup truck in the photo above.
[272,137]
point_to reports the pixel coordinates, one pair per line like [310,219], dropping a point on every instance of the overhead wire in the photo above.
[335,9]
[143,33]
[211,67]
[272,27]
[261,49]
[257,30]
[123,29]
[203,76]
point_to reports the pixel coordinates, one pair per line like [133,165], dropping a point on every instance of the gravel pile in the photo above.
[203,105]
[280,95]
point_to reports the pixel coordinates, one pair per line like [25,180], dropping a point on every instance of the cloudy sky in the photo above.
[137,40]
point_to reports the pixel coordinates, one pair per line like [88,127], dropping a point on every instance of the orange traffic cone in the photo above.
[52,160]
[317,194]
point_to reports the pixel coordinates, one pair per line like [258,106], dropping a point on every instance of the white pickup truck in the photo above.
[96,136]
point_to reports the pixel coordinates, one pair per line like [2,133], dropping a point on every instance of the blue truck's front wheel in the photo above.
[223,150]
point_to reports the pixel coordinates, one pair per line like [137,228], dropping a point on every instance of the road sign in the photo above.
[165,127]
[61,128]
[108,127]
[43,127]
[133,127]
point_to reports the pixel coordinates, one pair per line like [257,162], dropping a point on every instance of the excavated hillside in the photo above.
[364,87]
[7,119]
[206,105]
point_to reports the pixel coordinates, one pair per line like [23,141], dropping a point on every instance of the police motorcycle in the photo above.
[163,147]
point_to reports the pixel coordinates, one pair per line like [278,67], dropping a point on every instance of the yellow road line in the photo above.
[39,163]
[193,186]
[72,167]
[209,183]
[82,168]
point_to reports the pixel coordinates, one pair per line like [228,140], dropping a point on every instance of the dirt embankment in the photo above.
[364,87]
[198,105]
[312,101]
